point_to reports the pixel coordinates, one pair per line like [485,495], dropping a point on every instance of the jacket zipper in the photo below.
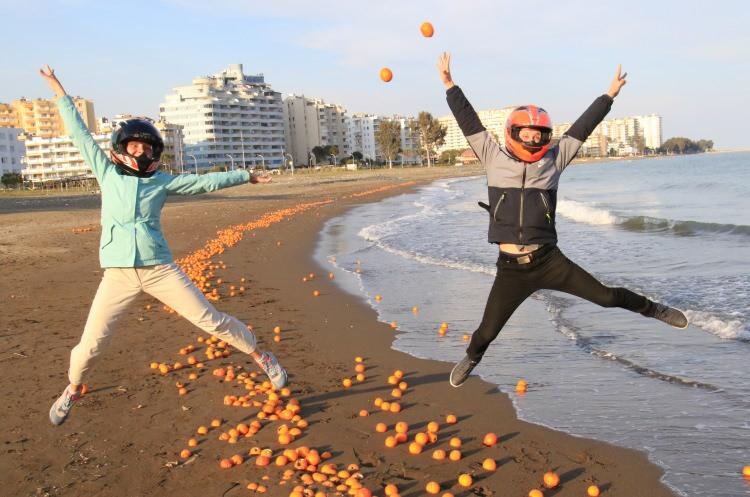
[520,221]
[546,207]
[497,206]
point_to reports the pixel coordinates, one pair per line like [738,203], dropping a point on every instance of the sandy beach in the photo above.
[125,436]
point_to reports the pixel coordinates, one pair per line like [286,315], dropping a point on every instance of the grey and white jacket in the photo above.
[523,196]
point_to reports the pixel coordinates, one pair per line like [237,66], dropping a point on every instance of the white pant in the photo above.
[166,282]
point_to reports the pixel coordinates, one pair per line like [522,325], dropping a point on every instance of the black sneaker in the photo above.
[669,315]
[461,371]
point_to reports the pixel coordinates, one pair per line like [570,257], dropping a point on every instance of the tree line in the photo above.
[682,145]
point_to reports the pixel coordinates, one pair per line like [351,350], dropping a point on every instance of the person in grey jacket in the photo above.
[522,180]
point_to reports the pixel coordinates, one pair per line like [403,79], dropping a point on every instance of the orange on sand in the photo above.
[465,480]
[185,453]
[386,75]
[421,438]
[262,460]
[402,427]
[433,427]
[438,455]
[432,487]
[381,427]
[551,480]
[363,413]
[359,368]
[395,407]
[427,29]
[415,448]
[331,276]
[451,419]
[225,464]
[237,459]
[316,293]
[490,439]
[277,329]
[536,493]
[390,442]
[347,382]
[390,489]
[489,464]
[455,455]
[363,492]
[592,491]
[192,442]
[455,443]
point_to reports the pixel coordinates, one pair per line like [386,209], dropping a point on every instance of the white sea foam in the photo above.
[583,213]
[728,329]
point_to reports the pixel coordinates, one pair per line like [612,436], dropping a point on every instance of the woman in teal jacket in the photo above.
[133,252]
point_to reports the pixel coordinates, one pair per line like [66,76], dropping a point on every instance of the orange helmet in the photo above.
[528,116]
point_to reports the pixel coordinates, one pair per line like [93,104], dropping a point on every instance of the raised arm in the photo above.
[191,184]
[91,152]
[471,126]
[588,121]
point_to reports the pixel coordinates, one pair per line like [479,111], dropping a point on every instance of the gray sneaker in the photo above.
[270,365]
[669,315]
[62,406]
[461,371]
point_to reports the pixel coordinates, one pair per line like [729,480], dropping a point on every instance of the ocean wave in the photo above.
[370,234]
[733,329]
[586,344]
[583,213]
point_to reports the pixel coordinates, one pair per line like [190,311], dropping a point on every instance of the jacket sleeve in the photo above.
[91,152]
[480,140]
[572,140]
[191,184]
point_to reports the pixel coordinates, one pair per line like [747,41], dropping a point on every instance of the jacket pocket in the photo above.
[106,237]
[498,206]
[547,210]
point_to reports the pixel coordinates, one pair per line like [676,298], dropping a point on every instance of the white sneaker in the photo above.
[270,365]
[62,406]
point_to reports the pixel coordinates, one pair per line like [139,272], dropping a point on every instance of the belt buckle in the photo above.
[524,259]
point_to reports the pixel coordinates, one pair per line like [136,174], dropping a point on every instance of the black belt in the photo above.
[521,259]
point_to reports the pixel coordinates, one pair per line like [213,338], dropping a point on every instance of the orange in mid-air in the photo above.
[386,75]
[427,29]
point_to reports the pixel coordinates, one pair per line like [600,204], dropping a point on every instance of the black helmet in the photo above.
[136,130]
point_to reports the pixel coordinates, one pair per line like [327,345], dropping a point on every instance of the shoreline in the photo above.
[318,346]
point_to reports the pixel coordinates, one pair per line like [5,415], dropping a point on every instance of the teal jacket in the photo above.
[131,206]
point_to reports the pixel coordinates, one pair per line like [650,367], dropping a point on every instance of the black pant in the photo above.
[514,283]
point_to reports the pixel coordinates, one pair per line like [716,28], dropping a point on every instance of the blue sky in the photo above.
[688,61]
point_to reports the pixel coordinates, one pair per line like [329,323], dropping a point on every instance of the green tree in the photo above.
[388,138]
[11,179]
[357,155]
[449,156]
[319,153]
[431,134]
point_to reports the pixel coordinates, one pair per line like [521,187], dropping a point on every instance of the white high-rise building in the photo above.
[361,135]
[493,120]
[309,123]
[650,126]
[11,150]
[52,159]
[228,116]
[361,129]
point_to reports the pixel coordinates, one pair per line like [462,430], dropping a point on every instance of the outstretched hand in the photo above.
[617,83]
[444,68]
[49,75]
